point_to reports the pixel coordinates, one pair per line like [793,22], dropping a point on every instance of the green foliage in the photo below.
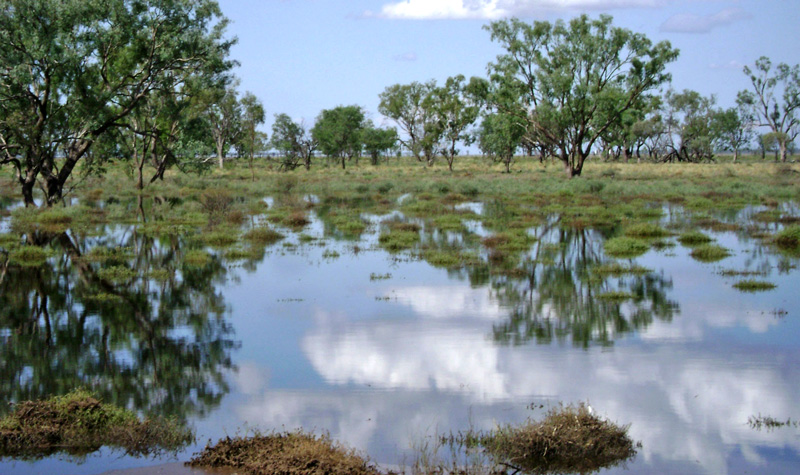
[28,256]
[378,142]
[645,230]
[338,132]
[263,235]
[293,141]
[85,66]
[568,83]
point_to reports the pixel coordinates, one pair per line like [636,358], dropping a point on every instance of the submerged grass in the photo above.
[78,423]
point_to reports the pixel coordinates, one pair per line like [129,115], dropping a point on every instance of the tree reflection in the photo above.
[137,325]
[571,293]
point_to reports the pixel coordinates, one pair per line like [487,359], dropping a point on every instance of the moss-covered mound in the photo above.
[288,453]
[78,424]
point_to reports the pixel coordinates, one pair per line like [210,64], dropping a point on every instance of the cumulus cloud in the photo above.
[495,9]
[690,23]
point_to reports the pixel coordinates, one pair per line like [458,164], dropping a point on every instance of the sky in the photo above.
[302,56]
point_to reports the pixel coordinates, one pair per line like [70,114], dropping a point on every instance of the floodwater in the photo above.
[384,350]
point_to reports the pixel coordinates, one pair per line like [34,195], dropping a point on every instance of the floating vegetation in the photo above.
[752,285]
[78,424]
[373,276]
[694,238]
[710,253]
[285,453]
[770,423]
[741,273]
[330,254]
[625,247]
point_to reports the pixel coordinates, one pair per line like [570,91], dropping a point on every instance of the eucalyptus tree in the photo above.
[409,106]
[338,132]
[378,141]
[572,81]
[224,113]
[455,107]
[251,140]
[732,129]
[775,100]
[688,117]
[499,137]
[293,141]
[73,70]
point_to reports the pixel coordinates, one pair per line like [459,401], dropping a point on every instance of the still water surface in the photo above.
[382,350]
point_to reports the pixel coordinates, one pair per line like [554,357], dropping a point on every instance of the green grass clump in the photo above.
[221,238]
[617,269]
[752,285]
[625,247]
[117,273]
[511,242]
[710,253]
[449,258]
[788,238]
[78,423]
[196,258]
[288,453]
[694,238]
[28,256]
[616,296]
[398,240]
[263,235]
[645,230]
[449,222]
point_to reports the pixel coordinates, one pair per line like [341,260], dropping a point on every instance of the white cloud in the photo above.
[690,23]
[495,9]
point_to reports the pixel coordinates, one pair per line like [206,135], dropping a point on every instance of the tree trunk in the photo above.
[27,189]
[343,164]
[783,151]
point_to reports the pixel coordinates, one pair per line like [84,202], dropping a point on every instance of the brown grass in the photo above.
[288,453]
[568,440]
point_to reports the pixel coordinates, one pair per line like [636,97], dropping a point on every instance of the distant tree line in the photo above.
[149,82]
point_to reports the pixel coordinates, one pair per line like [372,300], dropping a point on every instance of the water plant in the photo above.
[694,238]
[28,256]
[788,238]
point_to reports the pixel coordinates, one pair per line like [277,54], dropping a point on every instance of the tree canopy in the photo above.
[72,70]
[571,81]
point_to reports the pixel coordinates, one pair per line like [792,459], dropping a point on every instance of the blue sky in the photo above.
[302,56]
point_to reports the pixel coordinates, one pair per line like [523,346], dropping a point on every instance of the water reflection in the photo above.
[134,323]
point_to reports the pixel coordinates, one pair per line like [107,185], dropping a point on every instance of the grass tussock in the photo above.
[263,235]
[710,253]
[569,439]
[625,247]
[694,238]
[28,256]
[645,230]
[288,453]
[752,285]
[78,423]
[789,237]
